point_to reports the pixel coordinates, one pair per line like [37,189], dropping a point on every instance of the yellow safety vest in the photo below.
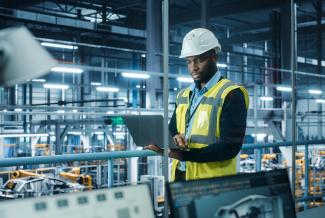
[205,129]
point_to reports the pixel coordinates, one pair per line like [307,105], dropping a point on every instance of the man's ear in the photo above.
[214,58]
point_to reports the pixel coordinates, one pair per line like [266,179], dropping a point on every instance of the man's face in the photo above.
[202,67]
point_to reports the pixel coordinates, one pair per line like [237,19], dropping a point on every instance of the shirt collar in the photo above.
[210,83]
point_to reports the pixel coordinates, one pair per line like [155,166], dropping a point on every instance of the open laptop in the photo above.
[262,194]
[147,129]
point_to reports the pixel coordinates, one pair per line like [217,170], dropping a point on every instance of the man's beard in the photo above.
[211,70]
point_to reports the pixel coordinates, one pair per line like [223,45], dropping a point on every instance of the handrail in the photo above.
[6,162]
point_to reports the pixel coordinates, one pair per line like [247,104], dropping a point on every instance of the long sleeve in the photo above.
[172,124]
[232,132]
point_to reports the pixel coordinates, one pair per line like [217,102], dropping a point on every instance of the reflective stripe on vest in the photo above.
[215,102]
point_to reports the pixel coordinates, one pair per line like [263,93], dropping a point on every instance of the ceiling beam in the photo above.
[226,8]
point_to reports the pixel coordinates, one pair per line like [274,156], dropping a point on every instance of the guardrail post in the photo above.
[306,191]
[110,172]
[258,159]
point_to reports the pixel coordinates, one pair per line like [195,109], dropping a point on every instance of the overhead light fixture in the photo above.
[110,112]
[75,111]
[221,65]
[74,133]
[39,80]
[266,98]
[284,88]
[143,55]
[23,135]
[136,75]
[98,133]
[18,110]
[67,70]
[320,100]
[95,84]
[175,89]
[315,92]
[118,133]
[138,86]
[185,79]
[55,86]
[60,111]
[56,45]
[107,89]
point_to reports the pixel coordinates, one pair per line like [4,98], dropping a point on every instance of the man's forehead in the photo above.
[204,55]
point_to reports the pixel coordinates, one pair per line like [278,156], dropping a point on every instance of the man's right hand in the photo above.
[180,140]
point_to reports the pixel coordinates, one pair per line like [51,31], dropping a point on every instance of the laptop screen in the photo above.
[263,194]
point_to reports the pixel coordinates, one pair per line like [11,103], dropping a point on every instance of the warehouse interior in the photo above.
[66,131]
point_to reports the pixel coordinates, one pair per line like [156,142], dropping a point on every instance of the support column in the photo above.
[154,49]
[275,76]
[204,14]
[319,48]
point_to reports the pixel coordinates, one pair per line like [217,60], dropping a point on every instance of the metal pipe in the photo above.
[293,93]
[165,31]
[125,154]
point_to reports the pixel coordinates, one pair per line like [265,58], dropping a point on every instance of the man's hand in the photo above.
[180,140]
[173,153]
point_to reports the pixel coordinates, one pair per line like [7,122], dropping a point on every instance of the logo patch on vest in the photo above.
[202,119]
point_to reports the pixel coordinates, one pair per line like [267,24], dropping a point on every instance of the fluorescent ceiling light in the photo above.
[23,135]
[55,86]
[143,55]
[56,45]
[75,111]
[60,111]
[136,75]
[67,70]
[138,86]
[185,79]
[259,135]
[74,133]
[95,84]
[39,80]
[221,65]
[175,89]
[314,91]
[284,88]
[118,133]
[98,133]
[18,110]
[110,112]
[107,89]
[320,100]
[266,98]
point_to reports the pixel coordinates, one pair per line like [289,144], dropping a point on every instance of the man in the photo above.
[209,121]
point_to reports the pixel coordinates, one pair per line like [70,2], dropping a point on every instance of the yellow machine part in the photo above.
[269,156]
[86,180]
[243,156]
[23,173]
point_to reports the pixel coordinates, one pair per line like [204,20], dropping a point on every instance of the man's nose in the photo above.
[194,66]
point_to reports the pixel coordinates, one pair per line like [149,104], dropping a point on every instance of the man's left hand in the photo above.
[173,153]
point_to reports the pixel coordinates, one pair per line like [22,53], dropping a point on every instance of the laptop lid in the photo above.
[147,129]
[262,194]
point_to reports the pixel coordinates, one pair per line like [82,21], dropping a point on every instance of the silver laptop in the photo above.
[147,129]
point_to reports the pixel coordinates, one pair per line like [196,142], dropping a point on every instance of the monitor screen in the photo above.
[253,195]
[118,202]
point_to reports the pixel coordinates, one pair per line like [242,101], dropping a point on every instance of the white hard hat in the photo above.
[198,41]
